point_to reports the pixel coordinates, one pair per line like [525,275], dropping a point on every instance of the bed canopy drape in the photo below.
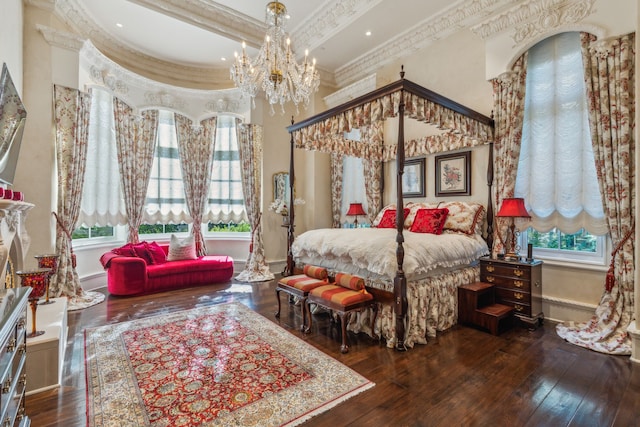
[460,127]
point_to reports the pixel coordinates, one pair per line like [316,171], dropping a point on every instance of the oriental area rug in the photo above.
[221,365]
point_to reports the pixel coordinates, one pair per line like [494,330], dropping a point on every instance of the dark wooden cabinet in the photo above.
[517,284]
[13,349]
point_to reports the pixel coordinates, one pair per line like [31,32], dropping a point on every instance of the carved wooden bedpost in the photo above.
[490,198]
[288,271]
[400,281]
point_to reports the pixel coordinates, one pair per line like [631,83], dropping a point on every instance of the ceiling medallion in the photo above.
[275,69]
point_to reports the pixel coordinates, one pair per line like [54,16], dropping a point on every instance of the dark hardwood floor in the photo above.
[464,377]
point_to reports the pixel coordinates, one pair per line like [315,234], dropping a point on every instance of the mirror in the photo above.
[281,187]
[12,119]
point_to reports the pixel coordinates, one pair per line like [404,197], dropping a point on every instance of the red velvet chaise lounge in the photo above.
[145,273]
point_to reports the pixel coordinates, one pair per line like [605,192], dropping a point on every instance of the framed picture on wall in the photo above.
[413,178]
[453,174]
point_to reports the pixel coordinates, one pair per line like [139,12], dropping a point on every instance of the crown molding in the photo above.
[61,38]
[328,19]
[73,14]
[419,36]
[211,16]
[141,92]
[531,18]
[48,5]
[350,92]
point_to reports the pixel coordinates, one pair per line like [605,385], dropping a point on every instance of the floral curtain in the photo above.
[71,116]
[508,106]
[374,134]
[196,145]
[609,75]
[336,172]
[135,139]
[250,149]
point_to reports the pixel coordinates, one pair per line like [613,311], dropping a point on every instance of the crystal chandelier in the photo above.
[275,69]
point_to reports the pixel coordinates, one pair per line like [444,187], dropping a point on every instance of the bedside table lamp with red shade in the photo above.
[355,209]
[512,208]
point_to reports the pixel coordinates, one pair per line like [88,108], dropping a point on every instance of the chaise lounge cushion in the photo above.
[134,275]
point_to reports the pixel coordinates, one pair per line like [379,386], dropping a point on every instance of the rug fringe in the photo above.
[327,406]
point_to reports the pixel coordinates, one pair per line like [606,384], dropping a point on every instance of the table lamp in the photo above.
[355,209]
[512,208]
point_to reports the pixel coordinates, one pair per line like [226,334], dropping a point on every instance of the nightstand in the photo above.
[517,284]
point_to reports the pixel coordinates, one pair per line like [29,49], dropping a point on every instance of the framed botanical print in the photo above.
[453,174]
[413,178]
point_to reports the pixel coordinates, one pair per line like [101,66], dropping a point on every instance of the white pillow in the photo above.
[181,248]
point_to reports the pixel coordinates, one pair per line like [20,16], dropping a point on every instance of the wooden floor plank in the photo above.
[463,376]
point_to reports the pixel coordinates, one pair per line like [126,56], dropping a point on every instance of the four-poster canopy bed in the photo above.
[462,128]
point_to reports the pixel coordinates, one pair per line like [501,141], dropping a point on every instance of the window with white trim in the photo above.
[556,170]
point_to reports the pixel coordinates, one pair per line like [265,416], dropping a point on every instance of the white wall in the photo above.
[11,40]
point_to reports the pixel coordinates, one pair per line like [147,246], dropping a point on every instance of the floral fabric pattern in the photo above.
[135,139]
[609,76]
[336,188]
[508,105]
[328,135]
[250,148]
[196,145]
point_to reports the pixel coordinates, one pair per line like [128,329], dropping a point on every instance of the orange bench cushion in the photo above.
[341,295]
[302,282]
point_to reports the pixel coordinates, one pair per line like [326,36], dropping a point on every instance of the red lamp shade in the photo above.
[355,209]
[513,208]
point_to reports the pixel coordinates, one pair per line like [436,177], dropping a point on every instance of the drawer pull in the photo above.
[490,279]
[518,307]
[12,345]
[491,268]
[518,295]
[518,273]
[518,283]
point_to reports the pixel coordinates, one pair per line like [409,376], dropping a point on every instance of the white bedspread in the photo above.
[373,251]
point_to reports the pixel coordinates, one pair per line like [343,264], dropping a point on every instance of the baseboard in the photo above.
[634,333]
[563,310]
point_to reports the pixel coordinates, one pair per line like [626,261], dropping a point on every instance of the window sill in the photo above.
[578,265]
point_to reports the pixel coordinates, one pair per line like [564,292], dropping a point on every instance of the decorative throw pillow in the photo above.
[413,210]
[125,250]
[350,282]
[464,217]
[389,218]
[378,218]
[429,221]
[156,253]
[180,249]
[319,273]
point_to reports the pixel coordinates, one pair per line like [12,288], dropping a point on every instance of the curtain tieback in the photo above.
[59,221]
[611,277]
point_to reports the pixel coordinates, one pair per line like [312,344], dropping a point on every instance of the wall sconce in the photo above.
[512,208]
[355,209]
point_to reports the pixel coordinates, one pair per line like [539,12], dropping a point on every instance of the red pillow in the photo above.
[126,250]
[429,221]
[389,218]
[142,252]
[156,253]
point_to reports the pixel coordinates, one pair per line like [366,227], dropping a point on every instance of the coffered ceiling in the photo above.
[198,38]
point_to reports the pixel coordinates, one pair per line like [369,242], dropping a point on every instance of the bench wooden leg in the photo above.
[344,319]
[278,298]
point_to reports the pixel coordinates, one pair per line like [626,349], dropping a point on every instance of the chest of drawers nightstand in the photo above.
[517,284]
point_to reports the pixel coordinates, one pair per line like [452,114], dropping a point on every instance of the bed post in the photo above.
[400,281]
[288,270]
[490,198]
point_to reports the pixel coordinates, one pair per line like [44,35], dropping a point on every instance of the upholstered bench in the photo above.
[299,285]
[346,296]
